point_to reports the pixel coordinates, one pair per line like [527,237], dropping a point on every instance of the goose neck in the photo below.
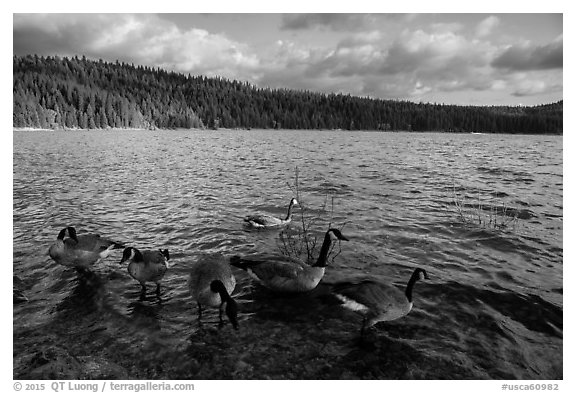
[323,257]
[289,213]
[410,286]
[218,287]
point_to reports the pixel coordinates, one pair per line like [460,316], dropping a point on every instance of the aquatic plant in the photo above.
[300,240]
[483,214]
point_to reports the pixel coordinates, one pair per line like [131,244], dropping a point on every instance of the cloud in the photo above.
[141,39]
[535,87]
[338,22]
[534,83]
[383,60]
[486,26]
[413,64]
[528,56]
[446,27]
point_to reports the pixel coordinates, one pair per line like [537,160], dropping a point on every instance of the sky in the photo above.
[467,58]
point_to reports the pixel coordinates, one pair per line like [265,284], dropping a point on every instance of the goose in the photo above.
[80,251]
[146,266]
[377,301]
[211,282]
[268,221]
[290,275]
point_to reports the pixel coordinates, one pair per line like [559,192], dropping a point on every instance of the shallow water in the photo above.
[492,307]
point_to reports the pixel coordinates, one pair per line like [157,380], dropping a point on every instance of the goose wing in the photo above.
[155,264]
[262,220]
[267,270]
[154,257]
[94,243]
[273,269]
[376,296]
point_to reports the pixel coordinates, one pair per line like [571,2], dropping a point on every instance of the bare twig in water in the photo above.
[301,242]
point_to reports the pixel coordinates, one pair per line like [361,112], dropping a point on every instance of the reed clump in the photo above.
[304,236]
[480,213]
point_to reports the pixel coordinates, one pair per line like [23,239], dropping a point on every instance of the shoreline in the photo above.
[32,129]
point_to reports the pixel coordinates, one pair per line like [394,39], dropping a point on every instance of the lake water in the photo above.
[491,309]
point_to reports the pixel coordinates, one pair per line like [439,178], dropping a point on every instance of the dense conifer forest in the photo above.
[68,93]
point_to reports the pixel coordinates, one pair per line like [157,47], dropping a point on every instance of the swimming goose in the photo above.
[146,266]
[377,301]
[267,221]
[290,275]
[211,283]
[80,251]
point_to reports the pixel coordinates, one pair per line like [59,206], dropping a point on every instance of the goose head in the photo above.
[336,234]
[331,234]
[165,253]
[294,202]
[70,231]
[420,274]
[231,306]
[131,254]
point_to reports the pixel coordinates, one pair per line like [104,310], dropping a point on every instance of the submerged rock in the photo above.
[52,363]
[99,368]
[57,363]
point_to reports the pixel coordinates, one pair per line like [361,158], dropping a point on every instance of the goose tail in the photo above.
[347,287]
[166,254]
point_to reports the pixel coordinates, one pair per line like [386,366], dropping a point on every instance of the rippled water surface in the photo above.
[492,307]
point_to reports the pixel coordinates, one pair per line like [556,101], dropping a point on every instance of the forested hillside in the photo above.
[53,92]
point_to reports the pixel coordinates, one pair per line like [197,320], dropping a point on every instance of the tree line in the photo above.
[67,93]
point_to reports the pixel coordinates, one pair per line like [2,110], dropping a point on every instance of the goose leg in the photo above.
[199,312]
[362,341]
[220,315]
[158,289]
[363,328]
[143,291]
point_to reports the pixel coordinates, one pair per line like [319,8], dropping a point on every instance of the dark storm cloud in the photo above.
[36,39]
[68,35]
[531,57]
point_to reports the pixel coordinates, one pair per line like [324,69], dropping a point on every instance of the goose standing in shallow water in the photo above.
[146,266]
[80,251]
[377,301]
[290,276]
[211,283]
[268,221]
